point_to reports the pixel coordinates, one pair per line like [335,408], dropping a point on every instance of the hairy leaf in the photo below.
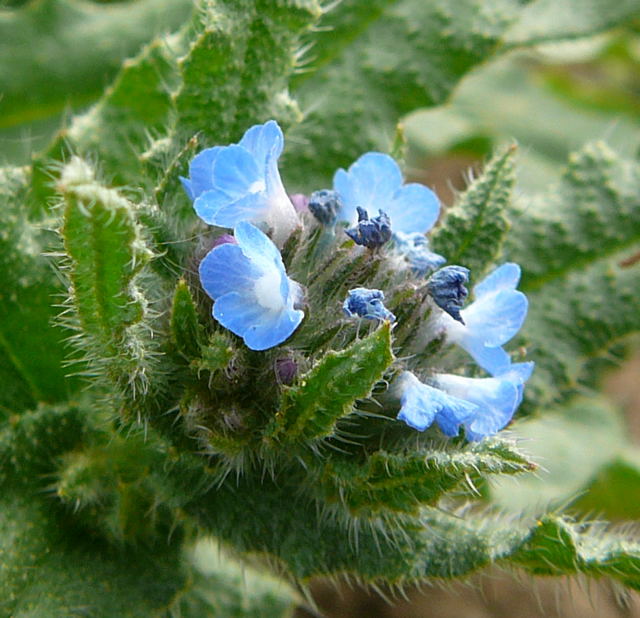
[474,229]
[572,244]
[311,408]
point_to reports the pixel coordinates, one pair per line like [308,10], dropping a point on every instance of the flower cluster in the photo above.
[238,187]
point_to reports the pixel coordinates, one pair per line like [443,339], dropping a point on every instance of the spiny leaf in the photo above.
[434,545]
[235,72]
[107,251]
[404,481]
[474,229]
[186,331]
[311,409]
[572,244]
[32,349]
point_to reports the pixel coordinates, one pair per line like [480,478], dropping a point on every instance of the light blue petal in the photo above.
[236,173]
[491,359]
[496,413]
[495,318]
[201,170]
[226,269]
[186,183]
[258,328]
[264,140]
[371,183]
[257,246]
[419,406]
[414,208]
[272,331]
[238,312]
[496,400]
[504,277]
[518,374]
[215,208]
[342,186]
[454,413]
[422,404]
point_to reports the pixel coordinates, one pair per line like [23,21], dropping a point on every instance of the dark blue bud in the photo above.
[371,233]
[447,289]
[324,205]
[365,303]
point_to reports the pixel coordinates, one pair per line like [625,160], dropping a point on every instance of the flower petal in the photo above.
[496,317]
[257,246]
[236,173]
[260,330]
[215,208]
[506,276]
[371,183]
[201,170]
[414,208]
[263,140]
[496,398]
[226,269]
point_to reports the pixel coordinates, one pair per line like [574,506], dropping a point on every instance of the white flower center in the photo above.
[257,186]
[267,290]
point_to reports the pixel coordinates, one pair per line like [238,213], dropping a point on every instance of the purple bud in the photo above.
[286,371]
[300,202]
[225,239]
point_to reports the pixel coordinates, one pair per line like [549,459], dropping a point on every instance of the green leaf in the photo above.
[79,50]
[236,70]
[473,230]
[186,331]
[404,481]
[31,442]
[435,545]
[32,349]
[220,586]
[50,570]
[107,251]
[553,20]
[311,408]
[377,61]
[135,108]
[572,244]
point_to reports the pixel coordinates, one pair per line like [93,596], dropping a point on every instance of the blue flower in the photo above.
[494,317]
[374,182]
[496,399]
[414,249]
[253,296]
[422,404]
[447,288]
[365,303]
[241,182]
[371,233]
